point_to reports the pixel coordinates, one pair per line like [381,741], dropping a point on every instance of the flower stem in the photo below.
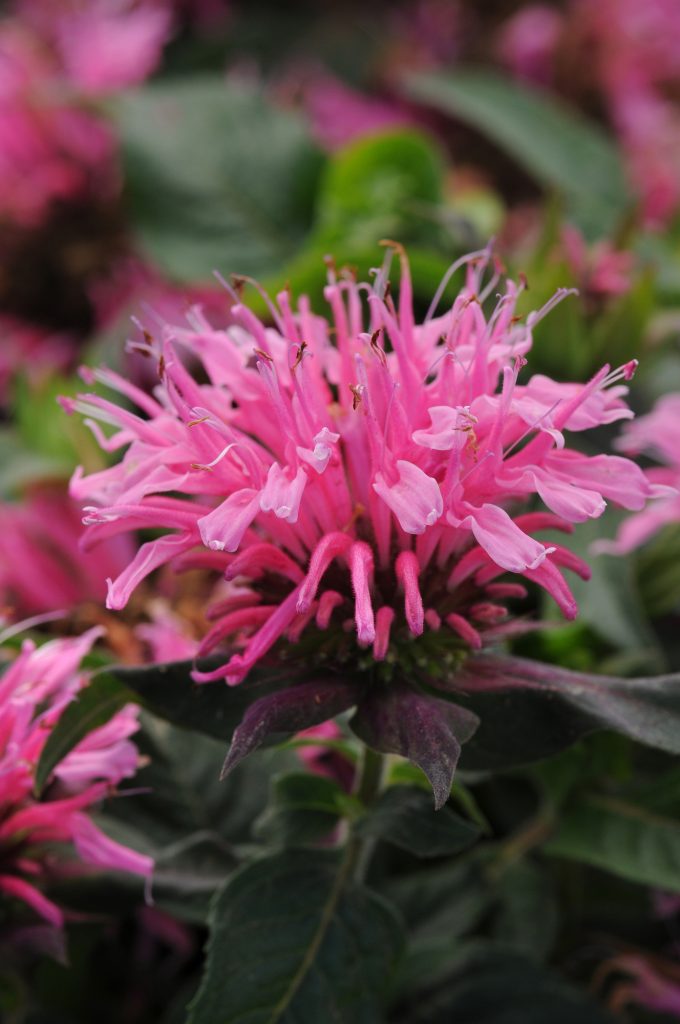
[367,786]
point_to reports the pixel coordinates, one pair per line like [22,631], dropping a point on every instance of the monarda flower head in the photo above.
[40,836]
[365,479]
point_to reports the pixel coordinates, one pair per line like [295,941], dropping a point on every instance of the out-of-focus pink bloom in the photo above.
[50,147]
[528,42]
[429,32]
[340,114]
[666,904]
[34,691]
[102,45]
[602,271]
[42,568]
[657,435]
[323,760]
[630,52]
[652,983]
[30,350]
[166,635]
[368,474]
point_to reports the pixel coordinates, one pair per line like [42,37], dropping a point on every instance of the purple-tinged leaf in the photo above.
[530,710]
[288,711]
[396,719]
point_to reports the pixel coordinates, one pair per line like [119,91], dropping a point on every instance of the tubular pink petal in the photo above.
[224,527]
[330,547]
[503,591]
[27,893]
[407,570]
[243,618]
[98,849]
[282,494]
[259,558]
[329,600]
[383,623]
[464,630]
[150,556]
[550,578]
[361,568]
[415,498]
[502,540]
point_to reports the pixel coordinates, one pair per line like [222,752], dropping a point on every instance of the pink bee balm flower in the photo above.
[34,691]
[655,434]
[366,480]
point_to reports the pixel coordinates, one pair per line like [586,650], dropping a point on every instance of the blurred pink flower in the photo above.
[324,760]
[528,42]
[31,350]
[42,568]
[602,271]
[626,52]
[657,435]
[102,45]
[51,147]
[34,691]
[366,474]
[651,983]
[340,114]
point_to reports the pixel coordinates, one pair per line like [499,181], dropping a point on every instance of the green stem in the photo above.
[367,786]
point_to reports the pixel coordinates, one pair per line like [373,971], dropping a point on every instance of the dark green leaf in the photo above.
[403,816]
[92,707]
[302,808]
[555,145]
[528,919]
[293,940]
[529,710]
[215,709]
[622,838]
[497,986]
[217,178]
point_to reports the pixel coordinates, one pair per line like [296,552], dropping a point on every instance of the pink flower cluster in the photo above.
[34,691]
[370,474]
[657,435]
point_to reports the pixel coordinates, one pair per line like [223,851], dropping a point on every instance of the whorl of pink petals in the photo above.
[357,471]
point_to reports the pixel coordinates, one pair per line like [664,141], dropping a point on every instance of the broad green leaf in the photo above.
[216,177]
[403,816]
[528,918]
[302,808]
[214,709]
[294,940]
[93,706]
[556,146]
[497,986]
[529,710]
[622,838]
